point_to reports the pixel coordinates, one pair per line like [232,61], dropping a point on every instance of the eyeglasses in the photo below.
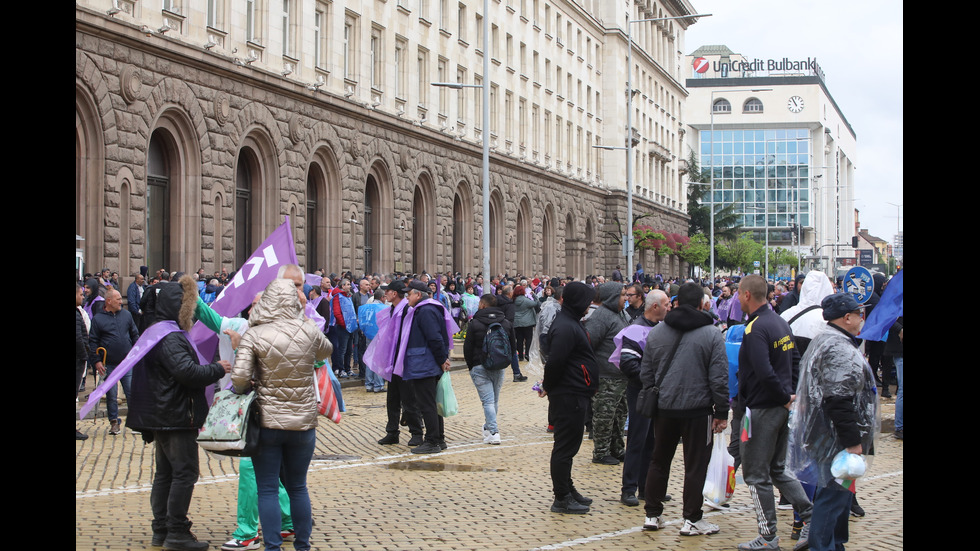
[630,295]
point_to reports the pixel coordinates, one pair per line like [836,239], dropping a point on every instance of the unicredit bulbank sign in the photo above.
[722,69]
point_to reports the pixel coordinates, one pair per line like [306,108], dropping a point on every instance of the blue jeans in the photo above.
[899,417]
[488,383]
[112,405]
[286,454]
[372,381]
[828,525]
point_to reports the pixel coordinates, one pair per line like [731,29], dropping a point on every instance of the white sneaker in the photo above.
[486,436]
[699,528]
[653,523]
[494,438]
[253,543]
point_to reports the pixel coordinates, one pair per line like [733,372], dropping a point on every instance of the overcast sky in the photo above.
[858,44]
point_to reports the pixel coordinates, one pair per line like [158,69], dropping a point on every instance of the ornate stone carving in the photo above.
[222,108]
[296,129]
[130,83]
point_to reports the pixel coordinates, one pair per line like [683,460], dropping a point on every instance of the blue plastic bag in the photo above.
[367,318]
[733,343]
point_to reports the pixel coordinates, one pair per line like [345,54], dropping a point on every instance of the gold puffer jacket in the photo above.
[278,352]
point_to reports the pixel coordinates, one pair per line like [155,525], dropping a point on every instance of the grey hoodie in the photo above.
[605,322]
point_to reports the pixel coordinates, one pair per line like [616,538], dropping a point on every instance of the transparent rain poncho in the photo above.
[831,367]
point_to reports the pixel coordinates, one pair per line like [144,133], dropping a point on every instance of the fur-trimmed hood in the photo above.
[178,301]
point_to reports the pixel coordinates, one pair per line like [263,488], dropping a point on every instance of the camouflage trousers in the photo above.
[609,418]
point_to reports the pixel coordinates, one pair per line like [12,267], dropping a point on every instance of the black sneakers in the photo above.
[581,499]
[427,447]
[629,500]
[416,440]
[568,505]
[184,542]
[389,439]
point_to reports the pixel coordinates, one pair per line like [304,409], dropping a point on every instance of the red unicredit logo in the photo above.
[700,65]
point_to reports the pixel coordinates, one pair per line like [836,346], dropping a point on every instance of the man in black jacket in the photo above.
[114,331]
[571,377]
[639,443]
[169,408]
[768,368]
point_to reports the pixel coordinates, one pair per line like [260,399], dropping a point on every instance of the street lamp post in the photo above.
[485,85]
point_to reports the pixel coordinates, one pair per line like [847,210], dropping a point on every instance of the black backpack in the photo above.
[496,348]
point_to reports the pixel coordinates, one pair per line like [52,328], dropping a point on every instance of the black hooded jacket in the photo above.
[476,332]
[168,383]
[572,367]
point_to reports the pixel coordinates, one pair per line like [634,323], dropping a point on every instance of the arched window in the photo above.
[244,185]
[721,105]
[753,105]
[158,202]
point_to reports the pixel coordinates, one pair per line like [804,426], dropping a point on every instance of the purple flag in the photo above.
[380,352]
[635,333]
[451,329]
[313,280]
[147,340]
[252,278]
[255,275]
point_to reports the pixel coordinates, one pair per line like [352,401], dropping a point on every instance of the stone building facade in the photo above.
[188,154]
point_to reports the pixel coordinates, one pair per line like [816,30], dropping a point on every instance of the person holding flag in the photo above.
[168,407]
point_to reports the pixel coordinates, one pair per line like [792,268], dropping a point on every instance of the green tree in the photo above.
[695,252]
[738,253]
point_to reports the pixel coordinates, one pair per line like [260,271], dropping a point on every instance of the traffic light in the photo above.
[854,242]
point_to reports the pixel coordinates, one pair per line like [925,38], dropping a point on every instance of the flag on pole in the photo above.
[888,310]
[153,334]
[252,278]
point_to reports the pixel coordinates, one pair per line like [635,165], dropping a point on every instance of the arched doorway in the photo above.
[159,168]
[548,241]
[496,229]
[423,227]
[466,244]
[246,182]
[524,238]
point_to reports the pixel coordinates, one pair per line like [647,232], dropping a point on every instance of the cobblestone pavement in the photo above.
[472,496]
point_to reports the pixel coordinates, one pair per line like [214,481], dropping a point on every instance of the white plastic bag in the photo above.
[848,465]
[719,484]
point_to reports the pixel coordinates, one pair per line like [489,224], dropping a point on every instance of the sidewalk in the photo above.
[470,497]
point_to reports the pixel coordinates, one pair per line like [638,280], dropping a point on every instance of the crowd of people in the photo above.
[648,354]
